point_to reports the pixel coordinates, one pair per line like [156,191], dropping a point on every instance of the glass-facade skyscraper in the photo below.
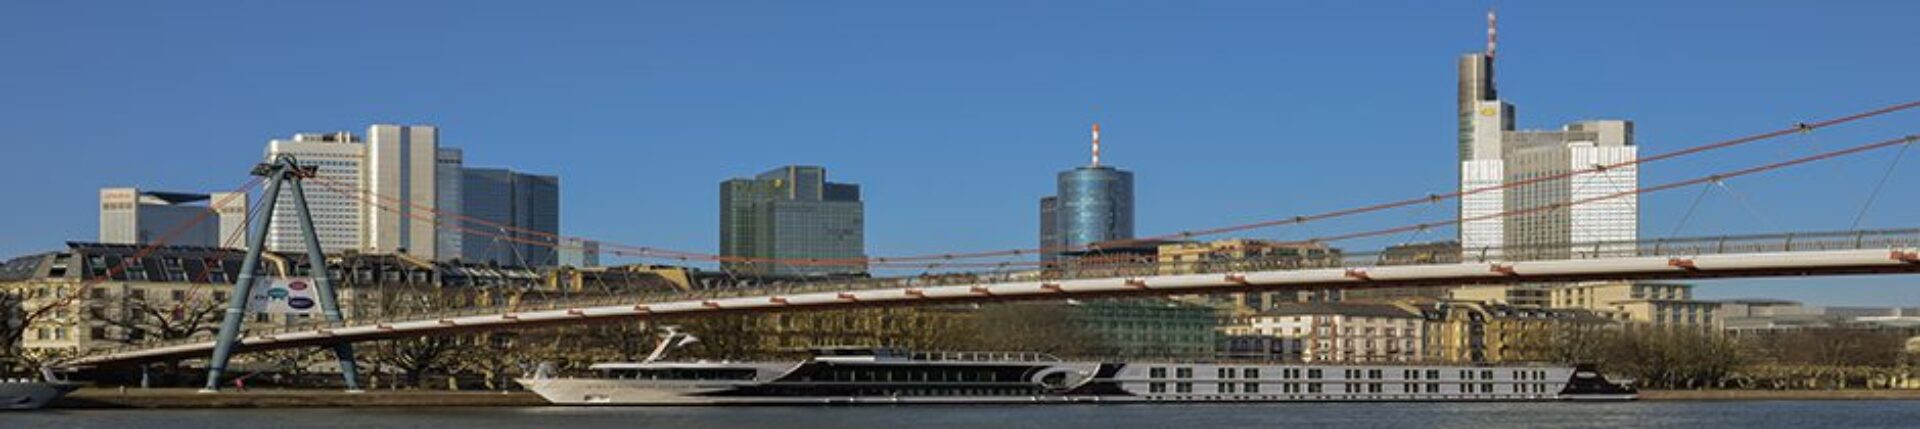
[518,200]
[1091,204]
[792,213]
[1508,173]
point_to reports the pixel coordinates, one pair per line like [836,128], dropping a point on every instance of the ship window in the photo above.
[1486,374]
[1433,387]
[1375,374]
[686,373]
[1156,372]
[1251,387]
[1433,374]
[1183,373]
[1313,374]
[1157,388]
[1250,373]
[1486,388]
[1223,373]
[1313,387]
[1183,387]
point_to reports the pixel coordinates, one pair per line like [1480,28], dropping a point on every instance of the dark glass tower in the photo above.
[522,202]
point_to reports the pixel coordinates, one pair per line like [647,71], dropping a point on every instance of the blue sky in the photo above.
[954,117]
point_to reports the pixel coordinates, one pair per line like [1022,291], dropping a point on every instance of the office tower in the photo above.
[337,214]
[518,213]
[1483,119]
[1593,224]
[400,165]
[792,213]
[448,198]
[132,216]
[579,253]
[1496,220]
[1092,204]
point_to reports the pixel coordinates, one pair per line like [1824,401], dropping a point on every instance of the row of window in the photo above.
[1350,388]
[1350,374]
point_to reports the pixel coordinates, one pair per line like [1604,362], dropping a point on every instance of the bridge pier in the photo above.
[282,169]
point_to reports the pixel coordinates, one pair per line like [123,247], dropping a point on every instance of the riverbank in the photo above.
[1776,395]
[290,398]
[305,398]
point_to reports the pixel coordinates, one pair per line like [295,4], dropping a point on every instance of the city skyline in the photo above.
[996,214]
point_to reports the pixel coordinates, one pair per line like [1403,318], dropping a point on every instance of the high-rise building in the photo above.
[132,216]
[579,253]
[1598,211]
[400,166]
[416,183]
[792,213]
[338,216]
[448,175]
[1092,204]
[521,213]
[1497,222]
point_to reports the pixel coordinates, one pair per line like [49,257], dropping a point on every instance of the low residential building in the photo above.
[1525,296]
[1247,255]
[1669,304]
[1331,332]
[1483,332]
[83,302]
[1757,317]
[181,291]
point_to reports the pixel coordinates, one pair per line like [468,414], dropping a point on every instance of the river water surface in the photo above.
[1670,414]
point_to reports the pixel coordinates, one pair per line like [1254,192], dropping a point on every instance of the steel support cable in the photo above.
[1690,208]
[683,255]
[1752,209]
[1709,179]
[1658,188]
[1891,167]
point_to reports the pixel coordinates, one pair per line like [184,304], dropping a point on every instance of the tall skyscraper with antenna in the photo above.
[1091,204]
[1497,222]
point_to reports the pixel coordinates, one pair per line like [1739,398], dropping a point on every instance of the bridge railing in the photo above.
[1142,267]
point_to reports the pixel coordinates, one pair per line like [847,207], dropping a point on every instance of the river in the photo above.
[1674,414]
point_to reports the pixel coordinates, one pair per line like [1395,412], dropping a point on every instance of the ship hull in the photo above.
[31,395]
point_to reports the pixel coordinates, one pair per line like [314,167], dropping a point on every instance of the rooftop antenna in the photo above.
[1492,35]
[1096,144]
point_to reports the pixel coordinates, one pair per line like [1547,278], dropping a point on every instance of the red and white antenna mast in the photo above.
[1096,144]
[1492,35]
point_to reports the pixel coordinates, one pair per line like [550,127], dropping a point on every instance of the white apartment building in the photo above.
[1338,332]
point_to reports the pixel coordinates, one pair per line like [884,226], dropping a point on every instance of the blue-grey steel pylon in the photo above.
[281,169]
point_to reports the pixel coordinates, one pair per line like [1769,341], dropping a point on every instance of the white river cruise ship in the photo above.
[893,376]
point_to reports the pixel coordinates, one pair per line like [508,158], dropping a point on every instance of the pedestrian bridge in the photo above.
[1780,255]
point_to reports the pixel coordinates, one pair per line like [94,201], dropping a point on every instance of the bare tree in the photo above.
[415,357]
[22,307]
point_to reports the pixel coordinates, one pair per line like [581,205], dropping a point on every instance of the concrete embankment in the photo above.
[1765,395]
[280,398]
